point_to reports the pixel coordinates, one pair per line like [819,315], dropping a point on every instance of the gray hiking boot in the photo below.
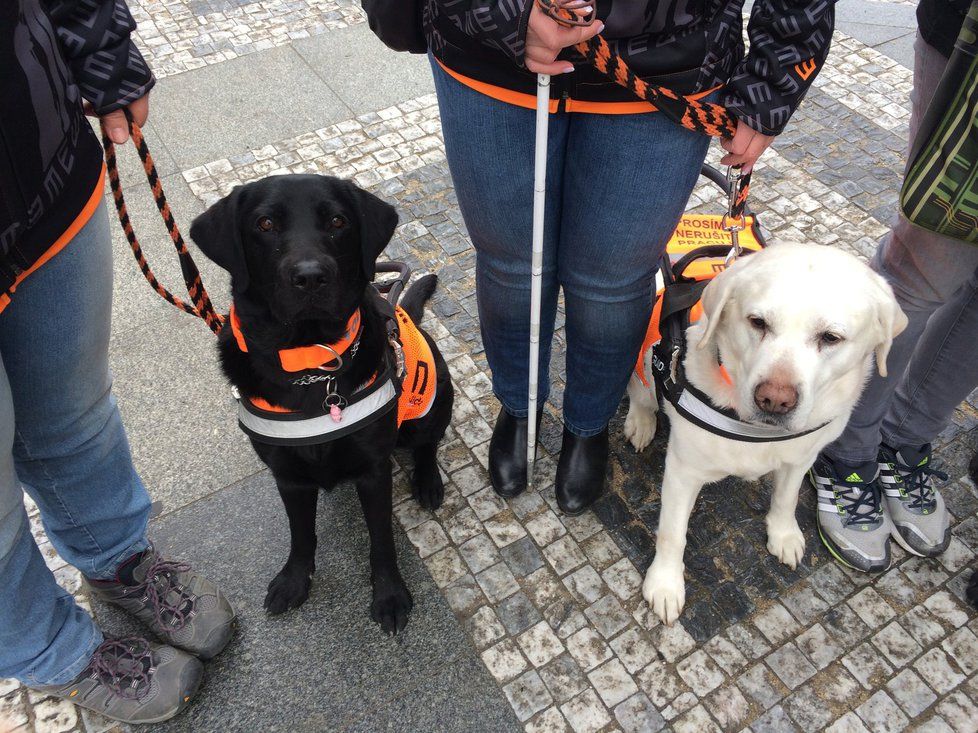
[920,520]
[183,608]
[135,681]
[851,523]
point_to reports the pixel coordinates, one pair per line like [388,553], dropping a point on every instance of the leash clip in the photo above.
[395,343]
[734,221]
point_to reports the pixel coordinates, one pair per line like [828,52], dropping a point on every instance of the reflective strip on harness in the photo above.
[288,429]
[710,418]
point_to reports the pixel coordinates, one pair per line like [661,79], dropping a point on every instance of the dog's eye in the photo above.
[265,223]
[829,339]
[337,222]
[758,323]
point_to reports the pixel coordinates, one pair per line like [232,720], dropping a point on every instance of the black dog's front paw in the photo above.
[427,487]
[288,589]
[391,606]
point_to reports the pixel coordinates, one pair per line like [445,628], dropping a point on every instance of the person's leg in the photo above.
[45,638]
[489,145]
[70,448]
[924,269]
[942,372]
[627,180]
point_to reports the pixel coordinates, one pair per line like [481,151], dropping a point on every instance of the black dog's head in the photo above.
[305,245]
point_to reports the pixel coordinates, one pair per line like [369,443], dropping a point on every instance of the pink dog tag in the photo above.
[336,413]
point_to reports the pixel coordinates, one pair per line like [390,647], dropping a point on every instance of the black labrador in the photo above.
[301,251]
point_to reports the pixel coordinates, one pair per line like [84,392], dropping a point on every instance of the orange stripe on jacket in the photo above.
[76,226]
[529,101]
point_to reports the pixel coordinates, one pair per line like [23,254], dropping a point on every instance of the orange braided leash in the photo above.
[202,306]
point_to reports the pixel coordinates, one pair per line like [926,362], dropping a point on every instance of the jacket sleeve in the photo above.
[500,24]
[789,41]
[104,61]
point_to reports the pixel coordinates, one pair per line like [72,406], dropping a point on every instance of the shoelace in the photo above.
[917,482]
[158,584]
[862,505]
[124,666]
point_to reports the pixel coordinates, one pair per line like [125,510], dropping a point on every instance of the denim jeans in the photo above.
[61,440]
[932,365]
[617,186]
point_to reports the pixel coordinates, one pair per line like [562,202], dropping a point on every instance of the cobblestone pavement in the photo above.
[553,603]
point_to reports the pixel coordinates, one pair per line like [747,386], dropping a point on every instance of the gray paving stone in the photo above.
[696,720]
[818,646]
[848,723]
[540,644]
[638,715]
[608,616]
[585,713]
[939,671]
[528,695]
[563,677]
[897,644]
[959,711]
[775,720]
[232,537]
[241,104]
[522,557]
[700,672]
[790,665]
[517,613]
[807,709]
[880,713]
[634,649]
[911,693]
[761,686]
[962,645]
[660,683]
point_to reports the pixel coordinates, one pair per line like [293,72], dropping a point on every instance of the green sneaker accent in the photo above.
[854,478]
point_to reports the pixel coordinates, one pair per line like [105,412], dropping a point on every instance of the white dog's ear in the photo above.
[890,322]
[714,299]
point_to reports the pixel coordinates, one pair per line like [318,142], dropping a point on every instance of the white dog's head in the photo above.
[796,326]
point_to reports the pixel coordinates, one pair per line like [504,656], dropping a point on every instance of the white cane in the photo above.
[536,267]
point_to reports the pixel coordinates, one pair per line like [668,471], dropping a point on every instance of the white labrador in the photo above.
[796,327]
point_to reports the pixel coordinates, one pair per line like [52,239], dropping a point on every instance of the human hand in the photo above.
[545,38]
[116,125]
[745,147]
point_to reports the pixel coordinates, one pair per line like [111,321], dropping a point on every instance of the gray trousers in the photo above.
[933,364]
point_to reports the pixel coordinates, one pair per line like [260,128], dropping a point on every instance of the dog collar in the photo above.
[326,357]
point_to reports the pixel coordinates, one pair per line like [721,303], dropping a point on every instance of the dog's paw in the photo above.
[640,428]
[788,545]
[391,606]
[288,589]
[665,592]
[427,487]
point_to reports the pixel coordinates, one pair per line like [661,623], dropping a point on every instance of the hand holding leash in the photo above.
[555,25]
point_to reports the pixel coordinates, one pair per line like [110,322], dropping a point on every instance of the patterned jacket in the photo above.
[690,46]
[54,54]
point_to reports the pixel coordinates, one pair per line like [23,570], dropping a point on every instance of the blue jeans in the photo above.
[617,186]
[62,440]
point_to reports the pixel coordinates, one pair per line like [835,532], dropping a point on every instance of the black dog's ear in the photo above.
[377,220]
[216,233]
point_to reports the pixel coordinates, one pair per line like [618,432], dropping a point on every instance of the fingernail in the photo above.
[600,27]
[569,71]
[118,136]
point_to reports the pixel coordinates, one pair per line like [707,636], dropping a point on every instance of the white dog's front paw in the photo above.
[788,544]
[640,427]
[665,592]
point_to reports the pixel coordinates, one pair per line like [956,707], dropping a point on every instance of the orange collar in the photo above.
[302,358]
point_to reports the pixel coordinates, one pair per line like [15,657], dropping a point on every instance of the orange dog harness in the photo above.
[408,385]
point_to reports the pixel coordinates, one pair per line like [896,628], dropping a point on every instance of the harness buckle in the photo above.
[398,347]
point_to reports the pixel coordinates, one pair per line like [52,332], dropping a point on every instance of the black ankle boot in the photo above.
[507,454]
[581,471]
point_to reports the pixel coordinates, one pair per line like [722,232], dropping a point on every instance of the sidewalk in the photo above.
[524,618]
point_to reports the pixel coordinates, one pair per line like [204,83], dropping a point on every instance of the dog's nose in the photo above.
[308,275]
[776,398]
